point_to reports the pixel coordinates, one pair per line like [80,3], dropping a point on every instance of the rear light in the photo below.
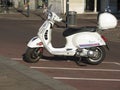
[104,38]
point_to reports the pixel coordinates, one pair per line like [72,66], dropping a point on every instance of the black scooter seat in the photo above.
[70,31]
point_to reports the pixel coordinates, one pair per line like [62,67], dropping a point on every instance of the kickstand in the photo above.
[79,62]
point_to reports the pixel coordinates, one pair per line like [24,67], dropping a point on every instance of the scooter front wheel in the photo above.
[33,55]
[98,57]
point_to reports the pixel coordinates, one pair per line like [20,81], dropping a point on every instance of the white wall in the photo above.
[32,4]
[77,5]
[20,3]
[16,3]
[57,5]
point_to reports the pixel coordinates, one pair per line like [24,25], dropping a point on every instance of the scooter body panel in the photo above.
[87,39]
[44,32]
[35,42]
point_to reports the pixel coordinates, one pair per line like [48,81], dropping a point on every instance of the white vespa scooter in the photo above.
[83,42]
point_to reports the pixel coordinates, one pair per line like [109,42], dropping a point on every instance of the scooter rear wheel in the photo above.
[99,57]
[33,55]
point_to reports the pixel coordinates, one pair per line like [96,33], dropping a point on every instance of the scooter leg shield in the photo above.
[35,42]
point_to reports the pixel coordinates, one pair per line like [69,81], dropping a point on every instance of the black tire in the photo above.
[99,57]
[33,55]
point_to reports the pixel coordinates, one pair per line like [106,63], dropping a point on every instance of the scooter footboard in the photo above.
[35,42]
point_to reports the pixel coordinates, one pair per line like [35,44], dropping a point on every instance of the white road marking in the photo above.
[77,69]
[117,63]
[112,63]
[17,59]
[87,79]
[20,59]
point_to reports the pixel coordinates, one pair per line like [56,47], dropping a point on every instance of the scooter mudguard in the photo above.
[35,42]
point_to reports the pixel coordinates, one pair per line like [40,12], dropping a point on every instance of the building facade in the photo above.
[80,6]
[93,6]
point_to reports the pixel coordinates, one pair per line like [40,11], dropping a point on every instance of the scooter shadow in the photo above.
[81,62]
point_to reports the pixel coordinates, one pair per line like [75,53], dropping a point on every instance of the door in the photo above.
[118,5]
[89,5]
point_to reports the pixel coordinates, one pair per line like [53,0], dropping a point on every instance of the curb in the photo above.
[35,75]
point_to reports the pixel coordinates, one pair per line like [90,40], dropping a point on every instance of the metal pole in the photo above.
[67,13]
[6,6]
[95,6]
[28,8]
[108,3]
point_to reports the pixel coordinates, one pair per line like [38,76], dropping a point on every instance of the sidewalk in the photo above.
[16,76]
[35,15]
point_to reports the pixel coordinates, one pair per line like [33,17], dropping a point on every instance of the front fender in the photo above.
[35,42]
